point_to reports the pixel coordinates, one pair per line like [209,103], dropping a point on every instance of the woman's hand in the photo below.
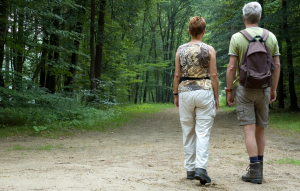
[176,101]
[217,103]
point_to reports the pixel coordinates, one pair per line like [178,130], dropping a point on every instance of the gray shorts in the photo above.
[252,106]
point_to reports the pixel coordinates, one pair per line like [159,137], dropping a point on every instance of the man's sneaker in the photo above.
[202,175]
[190,175]
[254,173]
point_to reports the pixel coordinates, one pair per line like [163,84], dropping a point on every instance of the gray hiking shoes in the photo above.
[254,174]
[190,175]
[201,174]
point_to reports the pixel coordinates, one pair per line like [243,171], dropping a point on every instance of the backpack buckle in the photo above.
[260,39]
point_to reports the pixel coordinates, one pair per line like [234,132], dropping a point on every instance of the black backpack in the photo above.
[257,65]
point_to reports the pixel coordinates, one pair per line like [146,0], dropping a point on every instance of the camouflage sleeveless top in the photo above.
[194,61]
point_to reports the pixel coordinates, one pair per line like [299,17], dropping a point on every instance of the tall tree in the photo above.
[53,57]
[289,44]
[79,15]
[92,46]
[3,21]
[100,38]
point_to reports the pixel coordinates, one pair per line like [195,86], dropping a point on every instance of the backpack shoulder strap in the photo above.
[246,35]
[265,34]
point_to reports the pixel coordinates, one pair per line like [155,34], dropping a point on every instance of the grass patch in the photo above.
[228,108]
[289,161]
[223,106]
[46,147]
[283,119]
[86,118]
[20,148]
[285,161]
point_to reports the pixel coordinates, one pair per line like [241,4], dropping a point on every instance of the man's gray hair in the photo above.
[252,12]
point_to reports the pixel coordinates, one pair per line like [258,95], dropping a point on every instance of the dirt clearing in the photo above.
[145,154]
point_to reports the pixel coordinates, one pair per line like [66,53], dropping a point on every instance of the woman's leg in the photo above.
[205,113]
[187,120]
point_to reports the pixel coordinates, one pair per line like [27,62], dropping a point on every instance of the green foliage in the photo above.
[289,161]
[139,45]
[39,128]
[223,101]
[84,118]
[285,161]
[45,147]
[287,120]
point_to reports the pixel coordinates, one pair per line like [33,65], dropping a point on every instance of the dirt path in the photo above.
[143,155]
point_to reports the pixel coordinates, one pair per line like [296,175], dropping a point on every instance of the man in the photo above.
[252,104]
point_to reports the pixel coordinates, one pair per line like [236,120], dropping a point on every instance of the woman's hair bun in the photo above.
[197,25]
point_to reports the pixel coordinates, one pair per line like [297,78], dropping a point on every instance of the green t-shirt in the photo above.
[239,44]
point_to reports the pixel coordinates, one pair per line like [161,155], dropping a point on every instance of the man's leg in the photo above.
[254,174]
[260,140]
[250,139]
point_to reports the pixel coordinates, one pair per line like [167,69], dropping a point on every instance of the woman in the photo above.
[197,98]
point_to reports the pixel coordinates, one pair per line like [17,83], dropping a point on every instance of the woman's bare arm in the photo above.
[214,74]
[177,76]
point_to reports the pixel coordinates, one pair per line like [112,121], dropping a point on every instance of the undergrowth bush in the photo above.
[33,109]
[284,119]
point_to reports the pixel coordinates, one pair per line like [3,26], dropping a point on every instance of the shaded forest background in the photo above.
[59,57]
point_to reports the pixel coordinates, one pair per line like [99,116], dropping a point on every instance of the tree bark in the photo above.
[51,77]
[261,2]
[136,90]
[40,69]
[20,51]
[289,44]
[3,21]
[7,58]
[13,51]
[146,85]
[92,48]
[74,61]
[69,83]
[100,39]
[280,83]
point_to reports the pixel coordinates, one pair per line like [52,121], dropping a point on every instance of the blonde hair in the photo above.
[252,12]
[197,25]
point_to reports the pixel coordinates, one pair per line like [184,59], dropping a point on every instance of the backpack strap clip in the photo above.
[260,39]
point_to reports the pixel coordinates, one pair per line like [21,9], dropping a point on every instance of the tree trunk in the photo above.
[41,66]
[20,50]
[74,58]
[92,47]
[3,21]
[293,96]
[136,90]
[100,35]
[51,77]
[280,83]
[74,61]
[261,2]
[7,57]
[13,52]
[50,57]
[145,90]
[157,87]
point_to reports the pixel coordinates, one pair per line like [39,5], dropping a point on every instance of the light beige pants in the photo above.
[197,112]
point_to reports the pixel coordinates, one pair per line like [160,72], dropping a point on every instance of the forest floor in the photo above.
[145,154]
